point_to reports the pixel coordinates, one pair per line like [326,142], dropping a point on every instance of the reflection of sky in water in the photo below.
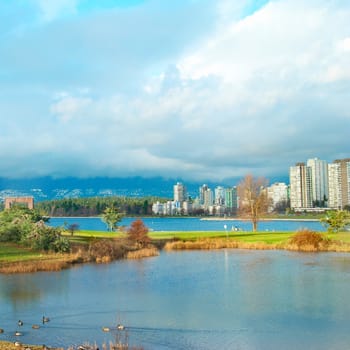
[226,299]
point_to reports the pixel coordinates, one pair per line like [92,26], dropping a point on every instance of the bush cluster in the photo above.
[307,238]
[105,250]
[27,227]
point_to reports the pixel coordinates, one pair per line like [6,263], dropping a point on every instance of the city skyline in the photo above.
[139,88]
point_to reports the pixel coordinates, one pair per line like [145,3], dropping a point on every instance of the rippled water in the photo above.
[227,299]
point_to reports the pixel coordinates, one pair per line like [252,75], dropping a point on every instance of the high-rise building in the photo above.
[231,201]
[208,198]
[300,186]
[179,193]
[343,177]
[277,193]
[219,195]
[334,186]
[202,190]
[319,181]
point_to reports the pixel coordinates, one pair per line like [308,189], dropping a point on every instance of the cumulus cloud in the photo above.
[247,87]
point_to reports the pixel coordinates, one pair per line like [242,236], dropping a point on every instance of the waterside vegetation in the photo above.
[104,247]
[5,345]
[29,245]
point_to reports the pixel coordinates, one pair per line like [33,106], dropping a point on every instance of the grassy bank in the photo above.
[306,241]
[103,247]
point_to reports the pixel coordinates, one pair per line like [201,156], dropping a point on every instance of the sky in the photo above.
[191,89]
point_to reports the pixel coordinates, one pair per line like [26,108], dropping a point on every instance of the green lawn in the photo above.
[246,236]
[270,237]
[10,252]
[266,237]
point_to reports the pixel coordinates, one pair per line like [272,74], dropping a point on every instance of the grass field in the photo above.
[246,236]
[11,253]
[270,237]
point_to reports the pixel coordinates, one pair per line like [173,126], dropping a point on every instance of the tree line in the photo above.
[95,206]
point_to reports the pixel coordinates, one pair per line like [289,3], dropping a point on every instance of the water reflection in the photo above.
[19,290]
[229,299]
[19,293]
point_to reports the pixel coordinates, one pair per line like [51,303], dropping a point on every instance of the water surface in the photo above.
[227,299]
[192,224]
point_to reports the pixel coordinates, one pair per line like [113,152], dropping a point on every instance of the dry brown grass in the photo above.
[216,243]
[308,241]
[106,250]
[311,241]
[4,345]
[51,263]
[143,253]
[305,241]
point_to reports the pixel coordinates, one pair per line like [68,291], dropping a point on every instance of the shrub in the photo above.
[107,249]
[143,253]
[138,233]
[306,239]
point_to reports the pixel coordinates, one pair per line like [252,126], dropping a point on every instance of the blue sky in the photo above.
[191,89]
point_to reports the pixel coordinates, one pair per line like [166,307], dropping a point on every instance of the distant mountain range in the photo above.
[47,188]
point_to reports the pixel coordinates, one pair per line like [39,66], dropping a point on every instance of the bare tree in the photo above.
[253,200]
[73,228]
[138,233]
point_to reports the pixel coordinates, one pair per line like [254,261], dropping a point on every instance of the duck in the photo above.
[45,319]
[120,326]
[35,326]
[17,333]
[106,329]
[1,330]
[20,322]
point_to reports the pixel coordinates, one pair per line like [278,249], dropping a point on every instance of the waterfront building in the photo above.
[158,208]
[208,198]
[334,186]
[319,181]
[24,201]
[300,187]
[180,194]
[231,200]
[202,190]
[187,207]
[219,195]
[343,178]
[277,194]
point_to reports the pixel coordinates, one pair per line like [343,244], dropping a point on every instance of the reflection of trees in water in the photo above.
[19,289]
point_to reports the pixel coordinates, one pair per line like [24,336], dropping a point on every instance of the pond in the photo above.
[227,299]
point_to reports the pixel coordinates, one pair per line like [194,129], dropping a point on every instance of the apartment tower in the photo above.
[342,188]
[319,181]
[300,186]
[179,193]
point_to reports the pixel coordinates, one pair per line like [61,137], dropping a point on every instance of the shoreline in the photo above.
[175,245]
[265,219]
[8,345]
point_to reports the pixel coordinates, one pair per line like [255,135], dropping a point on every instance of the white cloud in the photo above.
[68,107]
[212,99]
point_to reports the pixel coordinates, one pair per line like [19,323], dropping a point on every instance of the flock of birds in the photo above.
[120,327]
[34,326]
